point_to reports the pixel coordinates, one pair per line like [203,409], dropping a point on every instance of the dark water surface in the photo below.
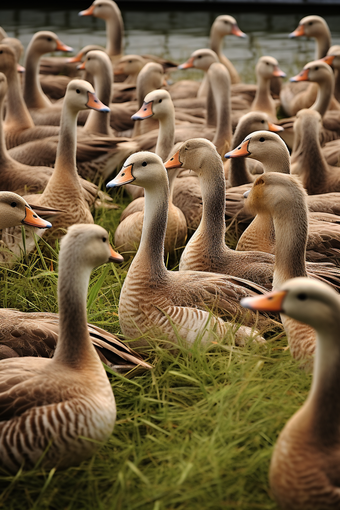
[176,33]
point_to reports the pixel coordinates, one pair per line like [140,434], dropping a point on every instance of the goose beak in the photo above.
[81,66]
[76,58]
[328,59]
[279,73]
[246,193]
[20,68]
[187,64]
[33,220]
[62,47]
[115,256]
[275,128]
[241,150]
[300,30]
[236,31]
[303,76]
[271,302]
[124,177]
[94,103]
[144,112]
[87,12]
[173,162]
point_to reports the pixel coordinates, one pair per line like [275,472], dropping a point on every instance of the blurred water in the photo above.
[176,34]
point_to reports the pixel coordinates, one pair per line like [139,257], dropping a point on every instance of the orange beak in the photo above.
[62,47]
[173,162]
[328,59]
[94,103]
[275,128]
[277,72]
[76,58]
[87,12]
[81,66]
[241,150]
[115,256]
[300,30]
[236,31]
[119,69]
[33,220]
[124,177]
[144,112]
[187,64]
[303,76]
[271,302]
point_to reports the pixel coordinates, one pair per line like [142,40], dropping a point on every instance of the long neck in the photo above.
[114,32]
[308,155]
[17,114]
[238,173]
[325,93]
[323,43]
[74,344]
[220,86]
[3,150]
[33,94]
[337,85]
[278,160]
[291,229]
[263,100]
[151,249]
[166,135]
[99,122]
[212,225]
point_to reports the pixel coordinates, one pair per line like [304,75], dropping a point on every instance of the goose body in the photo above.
[155,301]
[304,469]
[72,385]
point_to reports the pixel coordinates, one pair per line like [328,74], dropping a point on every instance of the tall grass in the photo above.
[196,432]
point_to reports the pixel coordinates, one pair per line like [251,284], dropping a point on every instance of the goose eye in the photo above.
[144,163]
[310,23]
[262,121]
[13,204]
[302,296]
[130,61]
[160,101]
[1,51]
[199,56]
[104,239]
[262,139]
[49,39]
[78,91]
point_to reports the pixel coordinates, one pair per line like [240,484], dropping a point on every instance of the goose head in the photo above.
[45,41]
[100,9]
[256,121]
[200,59]
[311,26]
[307,121]
[15,44]
[89,244]
[268,67]
[226,25]
[80,95]
[272,192]
[129,64]
[303,299]
[196,154]
[264,146]
[157,104]
[333,57]
[8,60]
[316,71]
[95,61]
[141,169]
[14,211]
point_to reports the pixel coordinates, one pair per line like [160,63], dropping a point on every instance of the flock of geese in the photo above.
[189,155]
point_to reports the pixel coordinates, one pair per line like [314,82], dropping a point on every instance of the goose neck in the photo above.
[324,96]
[151,249]
[99,122]
[3,149]
[323,43]
[114,32]
[166,135]
[220,86]
[17,113]
[33,93]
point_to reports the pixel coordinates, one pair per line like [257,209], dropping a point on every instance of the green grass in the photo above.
[196,432]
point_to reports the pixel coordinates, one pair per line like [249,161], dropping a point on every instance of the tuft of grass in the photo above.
[195,432]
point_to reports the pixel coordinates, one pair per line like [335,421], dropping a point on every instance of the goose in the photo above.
[42,42]
[15,176]
[18,124]
[267,67]
[155,301]
[294,96]
[304,468]
[282,197]
[323,236]
[128,66]
[76,411]
[239,171]
[333,59]
[64,190]
[322,74]
[307,160]
[225,25]
[36,333]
